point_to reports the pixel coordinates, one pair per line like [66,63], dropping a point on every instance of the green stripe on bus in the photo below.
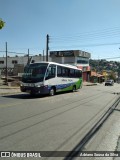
[78,85]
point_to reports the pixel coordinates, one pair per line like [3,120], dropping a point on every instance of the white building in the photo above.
[74,57]
[13,62]
[78,58]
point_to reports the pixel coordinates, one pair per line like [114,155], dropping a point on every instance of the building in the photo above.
[74,57]
[77,58]
[16,64]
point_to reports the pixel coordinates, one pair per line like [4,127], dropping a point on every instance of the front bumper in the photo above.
[35,90]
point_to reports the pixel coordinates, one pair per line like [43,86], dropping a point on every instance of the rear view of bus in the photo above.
[50,77]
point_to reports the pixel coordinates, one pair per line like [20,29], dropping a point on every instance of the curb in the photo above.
[11,88]
[92,84]
[8,93]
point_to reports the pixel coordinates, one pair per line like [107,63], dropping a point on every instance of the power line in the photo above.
[13,52]
[110,58]
[52,40]
[88,36]
[88,45]
[95,32]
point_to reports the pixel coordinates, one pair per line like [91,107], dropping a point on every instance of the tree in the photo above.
[112,76]
[2,23]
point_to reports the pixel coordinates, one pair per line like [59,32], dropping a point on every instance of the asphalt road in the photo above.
[55,123]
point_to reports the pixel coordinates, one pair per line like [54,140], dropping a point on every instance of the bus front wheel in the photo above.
[52,92]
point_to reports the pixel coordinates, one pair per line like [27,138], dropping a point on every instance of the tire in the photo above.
[32,94]
[52,92]
[74,89]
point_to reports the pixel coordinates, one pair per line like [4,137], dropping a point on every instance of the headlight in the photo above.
[38,85]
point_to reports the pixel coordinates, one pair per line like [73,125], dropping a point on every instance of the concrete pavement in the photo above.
[5,90]
[109,132]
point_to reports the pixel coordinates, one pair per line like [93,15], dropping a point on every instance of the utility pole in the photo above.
[28,57]
[43,55]
[6,74]
[47,46]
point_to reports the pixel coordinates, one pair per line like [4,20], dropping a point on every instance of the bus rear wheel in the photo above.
[74,88]
[52,92]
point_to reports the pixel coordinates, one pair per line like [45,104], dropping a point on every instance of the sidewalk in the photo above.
[5,90]
[89,84]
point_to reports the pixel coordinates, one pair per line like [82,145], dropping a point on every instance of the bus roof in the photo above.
[63,65]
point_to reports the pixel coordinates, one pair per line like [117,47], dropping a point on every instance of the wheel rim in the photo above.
[74,88]
[52,92]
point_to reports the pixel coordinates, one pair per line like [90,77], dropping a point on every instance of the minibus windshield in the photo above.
[34,72]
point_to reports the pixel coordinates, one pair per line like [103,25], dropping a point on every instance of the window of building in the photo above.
[1,62]
[14,61]
[82,60]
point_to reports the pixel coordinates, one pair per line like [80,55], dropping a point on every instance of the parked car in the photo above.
[109,82]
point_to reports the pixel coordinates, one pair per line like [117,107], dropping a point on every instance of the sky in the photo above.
[89,25]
